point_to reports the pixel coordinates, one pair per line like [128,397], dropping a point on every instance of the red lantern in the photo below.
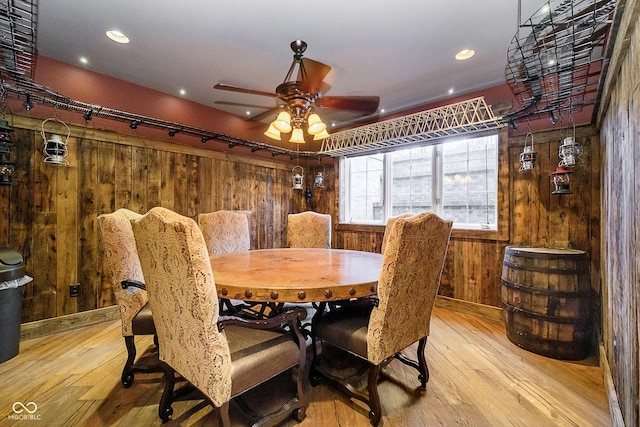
[560,179]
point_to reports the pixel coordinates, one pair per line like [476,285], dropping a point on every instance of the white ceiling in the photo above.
[402,51]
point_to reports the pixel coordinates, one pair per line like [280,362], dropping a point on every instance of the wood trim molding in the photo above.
[617,420]
[471,308]
[44,327]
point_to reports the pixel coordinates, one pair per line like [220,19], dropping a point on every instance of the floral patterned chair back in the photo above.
[309,230]
[121,262]
[225,231]
[182,293]
[409,280]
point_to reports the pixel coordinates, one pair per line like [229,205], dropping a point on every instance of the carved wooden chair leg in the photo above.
[375,408]
[164,409]
[127,372]
[315,377]
[420,365]
[423,369]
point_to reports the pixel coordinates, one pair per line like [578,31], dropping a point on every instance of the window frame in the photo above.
[501,233]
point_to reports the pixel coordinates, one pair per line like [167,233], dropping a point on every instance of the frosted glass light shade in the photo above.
[272,132]
[283,122]
[321,135]
[297,137]
[315,124]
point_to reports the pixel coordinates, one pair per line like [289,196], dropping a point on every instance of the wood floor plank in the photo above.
[478,378]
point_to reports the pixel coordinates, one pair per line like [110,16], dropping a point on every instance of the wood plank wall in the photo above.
[49,213]
[620,135]
[532,217]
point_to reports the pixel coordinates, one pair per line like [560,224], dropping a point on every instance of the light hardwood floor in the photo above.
[478,378]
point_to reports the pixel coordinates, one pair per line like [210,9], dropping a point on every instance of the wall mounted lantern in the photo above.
[528,155]
[318,181]
[6,166]
[569,152]
[55,149]
[297,178]
[560,179]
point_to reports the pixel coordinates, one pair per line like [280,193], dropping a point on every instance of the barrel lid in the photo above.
[551,251]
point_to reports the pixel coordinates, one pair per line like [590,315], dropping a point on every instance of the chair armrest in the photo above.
[133,283]
[291,317]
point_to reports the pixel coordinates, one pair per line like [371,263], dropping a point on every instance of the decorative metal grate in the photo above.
[18,37]
[555,61]
[464,117]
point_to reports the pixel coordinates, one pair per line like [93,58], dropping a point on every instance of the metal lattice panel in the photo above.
[555,60]
[464,117]
[18,37]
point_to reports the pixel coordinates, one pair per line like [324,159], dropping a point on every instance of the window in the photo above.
[456,179]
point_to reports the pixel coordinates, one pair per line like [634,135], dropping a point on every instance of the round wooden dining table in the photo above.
[296,274]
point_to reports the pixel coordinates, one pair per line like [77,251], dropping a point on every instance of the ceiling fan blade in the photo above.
[241,104]
[269,114]
[365,104]
[230,88]
[342,118]
[315,72]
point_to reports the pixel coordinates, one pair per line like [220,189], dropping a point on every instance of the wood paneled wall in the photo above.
[620,134]
[49,213]
[528,216]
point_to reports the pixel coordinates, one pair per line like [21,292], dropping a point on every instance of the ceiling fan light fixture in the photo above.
[272,132]
[296,136]
[283,122]
[316,125]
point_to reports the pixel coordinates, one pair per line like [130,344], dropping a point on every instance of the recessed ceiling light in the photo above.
[183,92]
[465,54]
[450,91]
[117,36]
[83,60]
[248,113]
[382,110]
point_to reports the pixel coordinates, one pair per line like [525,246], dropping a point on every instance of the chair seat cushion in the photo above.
[258,355]
[346,328]
[142,323]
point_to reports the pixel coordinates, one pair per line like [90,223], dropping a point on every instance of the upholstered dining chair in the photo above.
[378,329]
[222,357]
[309,230]
[225,231]
[122,268]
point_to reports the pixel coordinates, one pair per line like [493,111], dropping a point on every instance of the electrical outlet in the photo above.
[74,290]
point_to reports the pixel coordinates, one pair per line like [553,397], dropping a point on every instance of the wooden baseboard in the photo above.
[617,420]
[475,309]
[40,328]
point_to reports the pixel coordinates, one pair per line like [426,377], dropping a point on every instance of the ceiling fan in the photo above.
[302,95]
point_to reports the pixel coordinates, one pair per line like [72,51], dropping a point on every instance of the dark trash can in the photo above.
[12,278]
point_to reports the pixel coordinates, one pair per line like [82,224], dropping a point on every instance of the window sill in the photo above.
[456,233]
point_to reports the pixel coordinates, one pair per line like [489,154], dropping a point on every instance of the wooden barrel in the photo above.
[547,297]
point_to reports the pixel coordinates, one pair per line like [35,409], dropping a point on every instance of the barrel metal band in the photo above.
[546,292]
[545,269]
[555,319]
